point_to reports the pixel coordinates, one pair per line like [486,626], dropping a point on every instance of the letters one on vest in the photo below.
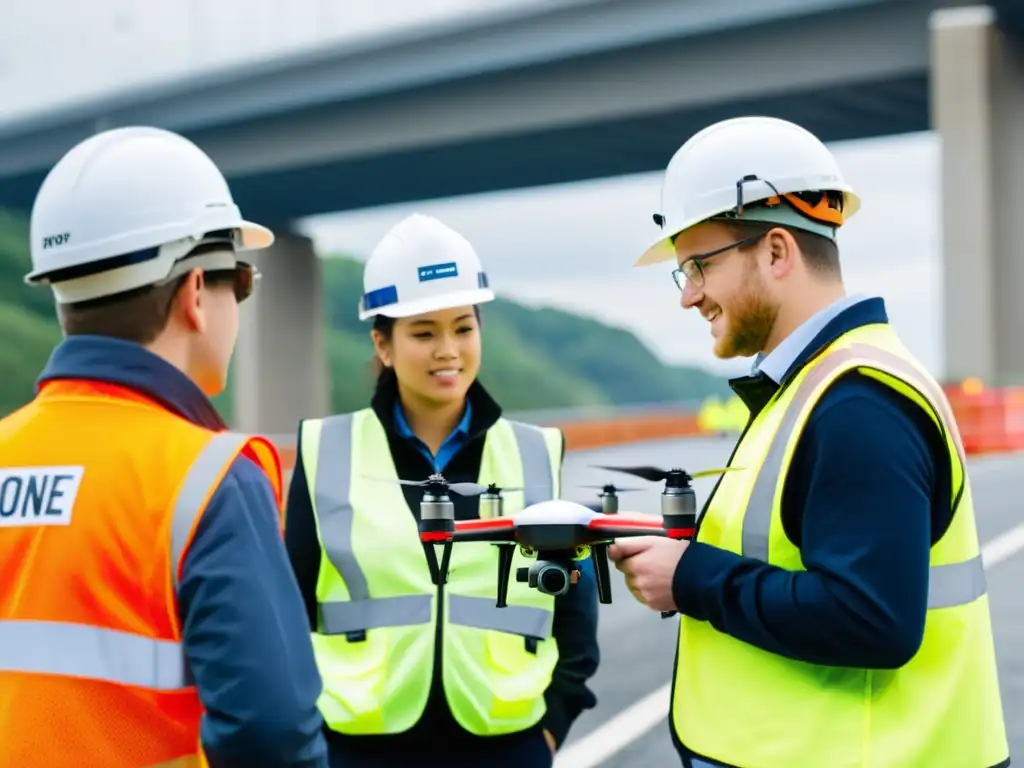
[92,536]
[746,707]
[381,616]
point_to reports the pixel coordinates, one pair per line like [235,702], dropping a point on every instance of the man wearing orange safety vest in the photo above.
[148,614]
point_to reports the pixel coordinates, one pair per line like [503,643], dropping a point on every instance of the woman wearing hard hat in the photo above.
[417,674]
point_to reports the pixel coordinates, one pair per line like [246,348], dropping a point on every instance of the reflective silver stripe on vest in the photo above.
[335,515]
[483,613]
[78,650]
[949,585]
[191,500]
[333,506]
[110,655]
[533,452]
[341,617]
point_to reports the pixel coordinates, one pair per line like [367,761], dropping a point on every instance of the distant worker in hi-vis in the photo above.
[148,614]
[419,671]
[833,608]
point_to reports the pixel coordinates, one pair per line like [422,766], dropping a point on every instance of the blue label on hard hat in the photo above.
[438,271]
[381,297]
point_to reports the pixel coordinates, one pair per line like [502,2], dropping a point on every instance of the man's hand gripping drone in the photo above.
[558,533]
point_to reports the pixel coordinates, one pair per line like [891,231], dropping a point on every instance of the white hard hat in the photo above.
[120,208]
[421,265]
[733,163]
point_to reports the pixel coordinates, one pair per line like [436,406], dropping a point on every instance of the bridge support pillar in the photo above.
[280,367]
[977,97]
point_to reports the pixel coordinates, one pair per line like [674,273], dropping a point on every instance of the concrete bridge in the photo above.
[582,89]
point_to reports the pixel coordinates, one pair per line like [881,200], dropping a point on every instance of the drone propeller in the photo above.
[432,480]
[655,474]
[422,483]
[612,488]
[476,489]
[462,489]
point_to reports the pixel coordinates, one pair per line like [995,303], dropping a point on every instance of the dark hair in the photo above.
[820,253]
[138,315]
[385,326]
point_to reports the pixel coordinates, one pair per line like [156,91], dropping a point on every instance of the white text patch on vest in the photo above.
[38,495]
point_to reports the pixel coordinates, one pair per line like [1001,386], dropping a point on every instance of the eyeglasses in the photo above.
[242,278]
[693,268]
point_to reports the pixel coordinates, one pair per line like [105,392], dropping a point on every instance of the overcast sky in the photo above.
[50,49]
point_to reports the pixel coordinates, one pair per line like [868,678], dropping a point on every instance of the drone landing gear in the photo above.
[438,573]
[602,572]
[505,554]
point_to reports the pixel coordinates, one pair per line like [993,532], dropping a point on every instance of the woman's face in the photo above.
[436,356]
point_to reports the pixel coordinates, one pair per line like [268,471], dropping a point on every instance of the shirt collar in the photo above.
[461,429]
[781,359]
[125,363]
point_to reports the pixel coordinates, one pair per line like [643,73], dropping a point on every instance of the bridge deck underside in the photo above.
[581,152]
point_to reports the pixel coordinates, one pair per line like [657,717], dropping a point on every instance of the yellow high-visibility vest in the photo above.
[743,706]
[381,616]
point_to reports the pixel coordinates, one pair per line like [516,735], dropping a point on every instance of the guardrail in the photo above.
[598,427]
[990,421]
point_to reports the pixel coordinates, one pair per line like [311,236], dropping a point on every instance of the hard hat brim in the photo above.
[431,304]
[254,236]
[663,250]
[659,252]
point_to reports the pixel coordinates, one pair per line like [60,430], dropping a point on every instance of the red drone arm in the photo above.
[496,529]
[612,522]
[636,525]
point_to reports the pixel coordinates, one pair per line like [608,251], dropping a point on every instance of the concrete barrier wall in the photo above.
[581,436]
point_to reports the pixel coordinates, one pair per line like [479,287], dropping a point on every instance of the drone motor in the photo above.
[437,513]
[609,500]
[609,496]
[491,505]
[679,509]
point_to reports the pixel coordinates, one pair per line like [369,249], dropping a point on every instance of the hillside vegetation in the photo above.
[533,358]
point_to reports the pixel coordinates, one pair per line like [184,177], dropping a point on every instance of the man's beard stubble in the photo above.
[751,319]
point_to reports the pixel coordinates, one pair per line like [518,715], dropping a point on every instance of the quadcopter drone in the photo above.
[558,532]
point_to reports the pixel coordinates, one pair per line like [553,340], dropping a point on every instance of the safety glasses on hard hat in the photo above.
[242,278]
[692,269]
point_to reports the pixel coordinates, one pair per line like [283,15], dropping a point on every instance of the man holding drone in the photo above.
[832,600]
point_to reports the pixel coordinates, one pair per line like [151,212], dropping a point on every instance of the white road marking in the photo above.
[632,723]
[1003,547]
[614,735]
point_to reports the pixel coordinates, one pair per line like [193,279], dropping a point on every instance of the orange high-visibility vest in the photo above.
[100,493]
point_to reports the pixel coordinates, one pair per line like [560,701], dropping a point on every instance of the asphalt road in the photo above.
[629,727]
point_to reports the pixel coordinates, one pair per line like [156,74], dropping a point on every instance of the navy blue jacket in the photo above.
[243,625]
[575,616]
[867,494]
